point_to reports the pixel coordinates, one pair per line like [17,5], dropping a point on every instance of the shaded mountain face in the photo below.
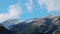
[46,25]
[3,30]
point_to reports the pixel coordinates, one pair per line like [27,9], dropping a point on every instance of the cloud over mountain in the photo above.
[14,11]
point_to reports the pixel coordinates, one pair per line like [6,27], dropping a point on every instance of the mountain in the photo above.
[3,30]
[9,23]
[45,25]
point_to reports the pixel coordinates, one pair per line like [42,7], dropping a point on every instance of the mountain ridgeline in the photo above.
[45,25]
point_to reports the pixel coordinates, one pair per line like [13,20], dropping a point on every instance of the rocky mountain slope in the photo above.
[45,25]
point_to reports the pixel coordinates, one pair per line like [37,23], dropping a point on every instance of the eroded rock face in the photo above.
[38,22]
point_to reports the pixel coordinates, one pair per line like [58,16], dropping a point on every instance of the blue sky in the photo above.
[4,4]
[27,9]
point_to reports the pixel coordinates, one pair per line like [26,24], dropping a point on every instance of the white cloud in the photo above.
[29,5]
[13,12]
[51,5]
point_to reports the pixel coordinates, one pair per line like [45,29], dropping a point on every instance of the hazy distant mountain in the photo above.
[9,22]
[45,25]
